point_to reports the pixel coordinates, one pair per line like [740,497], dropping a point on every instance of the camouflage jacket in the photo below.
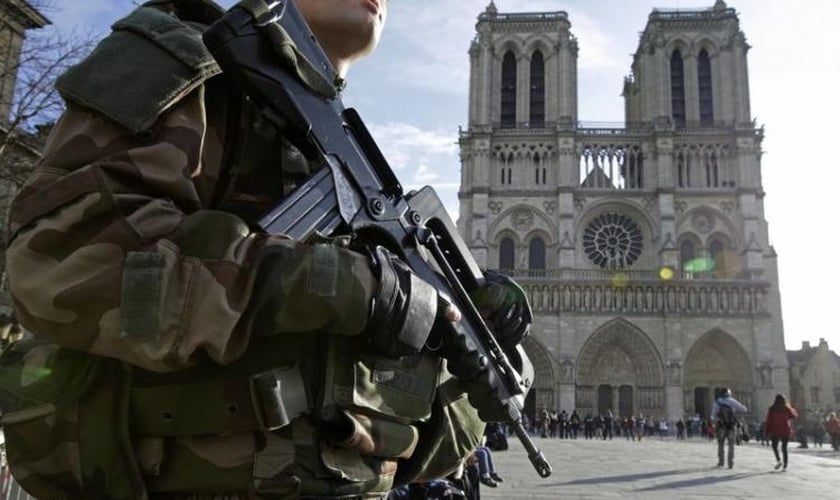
[130,242]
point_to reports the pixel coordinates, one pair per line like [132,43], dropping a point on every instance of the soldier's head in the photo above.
[724,392]
[346,29]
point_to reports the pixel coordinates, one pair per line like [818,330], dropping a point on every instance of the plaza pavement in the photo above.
[655,469]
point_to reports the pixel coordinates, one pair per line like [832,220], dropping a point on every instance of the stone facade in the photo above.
[643,247]
[815,380]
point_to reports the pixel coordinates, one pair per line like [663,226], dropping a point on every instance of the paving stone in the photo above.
[659,469]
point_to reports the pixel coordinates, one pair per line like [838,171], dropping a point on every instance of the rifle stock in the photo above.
[356,192]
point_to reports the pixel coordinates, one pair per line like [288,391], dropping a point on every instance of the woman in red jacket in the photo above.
[778,427]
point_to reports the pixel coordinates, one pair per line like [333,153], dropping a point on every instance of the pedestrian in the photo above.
[778,427]
[483,457]
[817,431]
[191,355]
[832,427]
[723,414]
[574,424]
[545,421]
[609,422]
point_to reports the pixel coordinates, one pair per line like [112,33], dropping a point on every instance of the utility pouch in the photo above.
[55,398]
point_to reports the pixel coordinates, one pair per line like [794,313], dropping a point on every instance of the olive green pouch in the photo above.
[149,61]
[65,423]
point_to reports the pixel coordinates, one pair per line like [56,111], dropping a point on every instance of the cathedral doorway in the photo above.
[702,400]
[716,360]
[542,388]
[605,396]
[625,401]
[619,368]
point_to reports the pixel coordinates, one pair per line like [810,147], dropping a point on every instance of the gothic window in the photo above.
[506,254]
[612,241]
[677,89]
[508,117]
[687,254]
[712,172]
[539,171]
[704,76]
[717,253]
[631,170]
[537,116]
[536,254]
[505,176]
[815,395]
[682,170]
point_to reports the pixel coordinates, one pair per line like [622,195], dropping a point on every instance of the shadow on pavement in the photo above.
[702,481]
[629,477]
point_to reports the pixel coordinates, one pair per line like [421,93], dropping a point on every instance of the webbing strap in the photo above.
[286,49]
[267,401]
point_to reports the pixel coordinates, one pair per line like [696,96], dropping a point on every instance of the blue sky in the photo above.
[413,94]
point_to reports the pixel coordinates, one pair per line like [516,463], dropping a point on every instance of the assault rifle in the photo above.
[356,192]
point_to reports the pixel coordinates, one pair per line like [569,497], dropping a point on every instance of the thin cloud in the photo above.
[404,144]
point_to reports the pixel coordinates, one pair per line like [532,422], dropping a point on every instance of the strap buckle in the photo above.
[279,396]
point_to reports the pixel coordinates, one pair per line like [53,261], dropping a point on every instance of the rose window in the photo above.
[612,241]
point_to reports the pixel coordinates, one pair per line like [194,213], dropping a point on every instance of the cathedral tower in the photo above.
[643,247]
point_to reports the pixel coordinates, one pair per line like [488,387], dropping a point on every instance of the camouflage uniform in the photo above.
[180,355]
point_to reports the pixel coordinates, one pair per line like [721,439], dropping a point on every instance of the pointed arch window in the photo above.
[506,254]
[536,255]
[677,89]
[687,254]
[718,247]
[704,77]
[508,114]
[537,116]
[712,172]
[539,170]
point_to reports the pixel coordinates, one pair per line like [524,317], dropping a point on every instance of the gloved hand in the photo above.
[504,306]
[404,307]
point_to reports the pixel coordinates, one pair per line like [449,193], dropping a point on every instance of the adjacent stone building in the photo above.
[815,380]
[16,17]
[643,246]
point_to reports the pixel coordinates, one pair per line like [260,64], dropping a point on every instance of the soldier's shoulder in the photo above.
[150,59]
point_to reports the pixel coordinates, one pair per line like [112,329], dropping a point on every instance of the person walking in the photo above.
[778,428]
[723,414]
[832,427]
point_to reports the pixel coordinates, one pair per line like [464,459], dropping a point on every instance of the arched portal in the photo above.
[622,357]
[542,390]
[716,360]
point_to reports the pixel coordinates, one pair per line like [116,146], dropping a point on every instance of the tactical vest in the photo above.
[296,415]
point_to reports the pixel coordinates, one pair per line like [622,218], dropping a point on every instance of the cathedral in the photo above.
[643,247]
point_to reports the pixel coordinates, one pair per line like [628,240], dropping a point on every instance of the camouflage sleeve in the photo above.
[112,251]
[447,439]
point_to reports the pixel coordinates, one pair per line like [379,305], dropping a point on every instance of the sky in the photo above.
[412,93]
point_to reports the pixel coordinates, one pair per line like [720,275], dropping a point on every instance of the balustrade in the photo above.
[663,297]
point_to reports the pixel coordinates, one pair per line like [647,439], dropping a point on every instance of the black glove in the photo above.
[404,307]
[504,306]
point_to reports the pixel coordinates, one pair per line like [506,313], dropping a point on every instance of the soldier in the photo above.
[178,354]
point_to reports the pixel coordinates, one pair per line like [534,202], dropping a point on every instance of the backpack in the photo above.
[726,416]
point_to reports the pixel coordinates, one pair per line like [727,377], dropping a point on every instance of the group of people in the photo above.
[565,425]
